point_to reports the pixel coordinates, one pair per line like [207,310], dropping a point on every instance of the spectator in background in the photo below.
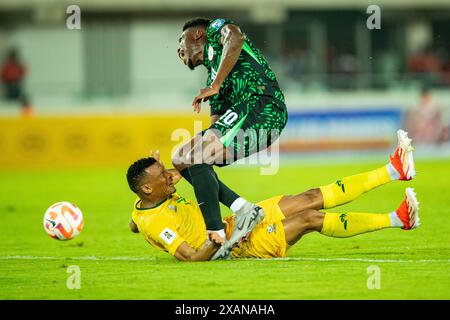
[424,122]
[295,62]
[13,74]
[345,68]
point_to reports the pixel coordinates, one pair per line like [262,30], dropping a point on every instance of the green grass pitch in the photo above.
[116,264]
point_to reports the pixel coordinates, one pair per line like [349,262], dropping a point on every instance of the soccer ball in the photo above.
[63,221]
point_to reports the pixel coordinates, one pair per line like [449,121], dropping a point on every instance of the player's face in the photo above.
[160,180]
[190,51]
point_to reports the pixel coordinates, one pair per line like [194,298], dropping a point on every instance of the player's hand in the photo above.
[155,155]
[204,95]
[215,238]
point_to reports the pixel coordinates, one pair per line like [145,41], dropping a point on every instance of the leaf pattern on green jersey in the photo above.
[279,95]
[248,77]
[269,73]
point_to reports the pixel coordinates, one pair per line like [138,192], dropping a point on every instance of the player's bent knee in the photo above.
[313,195]
[313,219]
[311,199]
[178,161]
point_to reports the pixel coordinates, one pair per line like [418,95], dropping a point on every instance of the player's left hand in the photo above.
[156,155]
[204,95]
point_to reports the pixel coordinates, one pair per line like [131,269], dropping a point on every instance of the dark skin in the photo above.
[302,214]
[208,149]
[156,185]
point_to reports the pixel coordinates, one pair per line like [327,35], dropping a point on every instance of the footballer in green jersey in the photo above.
[248,113]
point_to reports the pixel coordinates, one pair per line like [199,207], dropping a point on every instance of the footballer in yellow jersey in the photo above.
[174,224]
[176,220]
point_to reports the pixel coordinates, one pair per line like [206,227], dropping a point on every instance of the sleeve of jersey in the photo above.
[164,232]
[215,28]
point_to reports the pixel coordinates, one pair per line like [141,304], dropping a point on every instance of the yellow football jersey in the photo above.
[170,223]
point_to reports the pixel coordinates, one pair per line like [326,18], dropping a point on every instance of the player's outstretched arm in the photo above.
[232,40]
[187,253]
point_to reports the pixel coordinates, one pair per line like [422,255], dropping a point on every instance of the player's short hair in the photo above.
[196,22]
[136,171]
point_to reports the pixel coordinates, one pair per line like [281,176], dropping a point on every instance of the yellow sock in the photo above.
[349,188]
[353,223]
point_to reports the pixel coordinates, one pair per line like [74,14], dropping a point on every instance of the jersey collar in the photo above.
[154,207]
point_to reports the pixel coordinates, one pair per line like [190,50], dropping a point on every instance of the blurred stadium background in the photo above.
[347,87]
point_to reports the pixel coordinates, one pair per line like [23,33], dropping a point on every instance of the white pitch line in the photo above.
[125,258]
[355,260]
[86,258]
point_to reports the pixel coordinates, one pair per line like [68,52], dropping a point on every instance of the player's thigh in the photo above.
[267,240]
[270,113]
[205,147]
[292,204]
[227,129]
[264,124]
[182,157]
[302,223]
[210,148]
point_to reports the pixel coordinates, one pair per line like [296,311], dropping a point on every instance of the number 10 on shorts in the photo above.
[228,118]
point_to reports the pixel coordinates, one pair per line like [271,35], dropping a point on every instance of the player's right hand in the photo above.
[204,96]
[155,155]
[215,237]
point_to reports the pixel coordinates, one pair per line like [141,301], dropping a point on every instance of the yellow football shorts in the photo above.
[267,240]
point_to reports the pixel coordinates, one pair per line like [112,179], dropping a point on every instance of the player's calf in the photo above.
[303,222]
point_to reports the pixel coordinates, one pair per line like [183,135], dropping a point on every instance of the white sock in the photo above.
[237,204]
[395,220]
[393,173]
